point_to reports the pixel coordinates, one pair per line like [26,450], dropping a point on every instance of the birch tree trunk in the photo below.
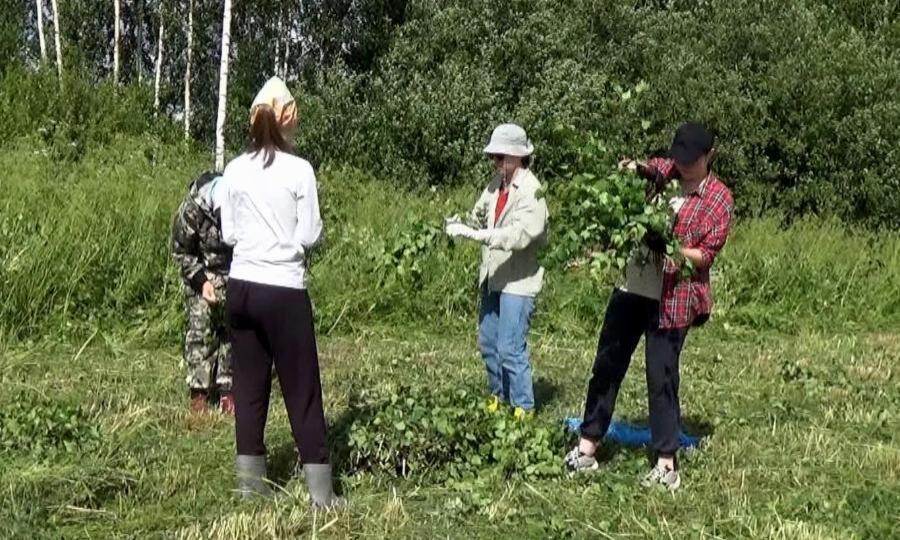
[159,56]
[59,64]
[116,30]
[139,55]
[187,72]
[277,50]
[39,4]
[287,54]
[223,87]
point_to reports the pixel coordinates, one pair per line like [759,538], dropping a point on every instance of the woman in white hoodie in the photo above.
[510,220]
[270,215]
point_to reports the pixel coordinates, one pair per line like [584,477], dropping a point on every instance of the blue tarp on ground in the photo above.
[631,434]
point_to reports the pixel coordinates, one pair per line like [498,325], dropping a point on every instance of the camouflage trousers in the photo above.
[207,351]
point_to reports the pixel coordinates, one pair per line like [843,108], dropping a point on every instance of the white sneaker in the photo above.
[578,462]
[662,476]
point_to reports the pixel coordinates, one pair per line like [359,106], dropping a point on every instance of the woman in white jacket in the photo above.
[270,215]
[511,223]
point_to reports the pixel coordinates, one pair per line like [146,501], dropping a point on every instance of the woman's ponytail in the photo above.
[266,135]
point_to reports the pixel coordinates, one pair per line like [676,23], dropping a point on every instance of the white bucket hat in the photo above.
[509,140]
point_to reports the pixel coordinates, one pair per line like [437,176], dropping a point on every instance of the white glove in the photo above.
[453,219]
[480,235]
[456,229]
[461,230]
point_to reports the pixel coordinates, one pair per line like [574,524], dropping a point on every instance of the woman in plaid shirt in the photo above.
[657,303]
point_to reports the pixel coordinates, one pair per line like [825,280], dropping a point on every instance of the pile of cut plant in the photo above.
[449,433]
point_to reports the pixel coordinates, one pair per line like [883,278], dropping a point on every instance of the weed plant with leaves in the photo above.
[448,433]
[40,428]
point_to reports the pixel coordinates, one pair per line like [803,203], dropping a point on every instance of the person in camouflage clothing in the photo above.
[204,260]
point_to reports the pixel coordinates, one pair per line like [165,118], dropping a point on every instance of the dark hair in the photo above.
[526,162]
[266,136]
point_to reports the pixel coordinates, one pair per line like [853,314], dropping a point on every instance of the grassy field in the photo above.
[801,442]
[793,384]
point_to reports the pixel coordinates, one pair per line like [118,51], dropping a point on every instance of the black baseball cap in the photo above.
[692,140]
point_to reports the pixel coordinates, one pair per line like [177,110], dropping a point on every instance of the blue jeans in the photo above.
[504,320]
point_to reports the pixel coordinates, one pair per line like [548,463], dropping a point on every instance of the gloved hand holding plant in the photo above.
[457,229]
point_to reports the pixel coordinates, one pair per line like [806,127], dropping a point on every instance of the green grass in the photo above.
[85,245]
[802,443]
[794,381]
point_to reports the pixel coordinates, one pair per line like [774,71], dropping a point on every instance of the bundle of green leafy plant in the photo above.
[605,220]
[450,432]
[602,216]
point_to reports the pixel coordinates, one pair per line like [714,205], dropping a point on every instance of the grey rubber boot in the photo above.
[251,476]
[321,490]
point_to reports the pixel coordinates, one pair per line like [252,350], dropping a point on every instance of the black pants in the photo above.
[275,323]
[628,317]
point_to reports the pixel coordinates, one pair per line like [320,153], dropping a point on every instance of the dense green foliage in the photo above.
[89,240]
[603,216]
[321,33]
[86,115]
[802,96]
[11,33]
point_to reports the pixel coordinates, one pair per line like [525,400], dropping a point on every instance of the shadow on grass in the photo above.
[698,427]
[546,392]
[690,425]
[283,463]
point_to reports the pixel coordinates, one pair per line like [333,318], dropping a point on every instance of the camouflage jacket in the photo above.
[197,244]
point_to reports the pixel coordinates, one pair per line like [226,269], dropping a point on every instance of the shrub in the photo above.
[802,99]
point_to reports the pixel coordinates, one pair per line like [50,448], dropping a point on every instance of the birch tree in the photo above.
[287,53]
[116,36]
[223,86]
[138,8]
[39,5]
[187,71]
[159,56]
[56,25]
[277,48]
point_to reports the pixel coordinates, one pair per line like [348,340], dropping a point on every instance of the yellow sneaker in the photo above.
[521,414]
[493,404]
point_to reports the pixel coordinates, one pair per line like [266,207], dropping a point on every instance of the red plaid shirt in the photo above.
[702,222]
